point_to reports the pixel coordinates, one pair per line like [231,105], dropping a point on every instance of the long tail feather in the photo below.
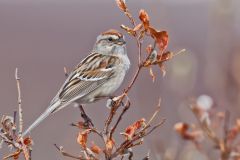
[43,116]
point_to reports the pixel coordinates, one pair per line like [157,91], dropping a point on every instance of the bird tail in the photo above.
[43,116]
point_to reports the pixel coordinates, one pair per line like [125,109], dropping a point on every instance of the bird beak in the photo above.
[121,41]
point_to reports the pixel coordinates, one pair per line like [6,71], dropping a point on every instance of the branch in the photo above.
[20,112]
[141,134]
[117,101]
[126,107]
[64,153]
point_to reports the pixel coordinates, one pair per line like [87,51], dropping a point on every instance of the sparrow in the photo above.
[98,75]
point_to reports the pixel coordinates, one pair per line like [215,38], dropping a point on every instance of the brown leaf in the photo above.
[122,5]
[14,155]
[128,30]
[130,130]
[95,149]
[109,145]
[82,138]
[161,37]
[232,134]
[182,129]
[143,16]
[28,141]
[164,57]
[234,131]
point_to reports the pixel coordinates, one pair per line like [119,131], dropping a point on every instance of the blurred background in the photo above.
[41,37]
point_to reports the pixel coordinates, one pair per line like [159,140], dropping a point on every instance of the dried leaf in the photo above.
[28,141]
[82,138]
[164,57]
[182,129]
[95,149]
[14,155]
[161,37]
[234,132]
[128,30]
[152,74]
[122,5]
[140,123]
[109,145]
[143,16]
[130,130]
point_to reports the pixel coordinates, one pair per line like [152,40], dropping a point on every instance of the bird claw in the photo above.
[87,121]
[112,101]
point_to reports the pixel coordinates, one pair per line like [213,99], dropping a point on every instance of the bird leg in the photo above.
[87,120]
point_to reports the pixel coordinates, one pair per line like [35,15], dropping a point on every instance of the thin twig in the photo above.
[226,125]
[14,122]
[138,69]
[126,107]
[129,15]
[20,112]
[64,153]
[155,113]
[156,126]
[114,108]
[225,151]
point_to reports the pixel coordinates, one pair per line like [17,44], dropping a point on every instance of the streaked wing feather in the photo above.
[90,74]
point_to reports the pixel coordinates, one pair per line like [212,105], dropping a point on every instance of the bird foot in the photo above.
[87,121]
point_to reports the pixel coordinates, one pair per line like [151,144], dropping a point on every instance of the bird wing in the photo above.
[90,74]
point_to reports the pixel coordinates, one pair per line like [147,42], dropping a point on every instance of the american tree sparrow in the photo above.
[96,76]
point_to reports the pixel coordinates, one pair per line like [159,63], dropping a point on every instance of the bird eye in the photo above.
[110,39]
